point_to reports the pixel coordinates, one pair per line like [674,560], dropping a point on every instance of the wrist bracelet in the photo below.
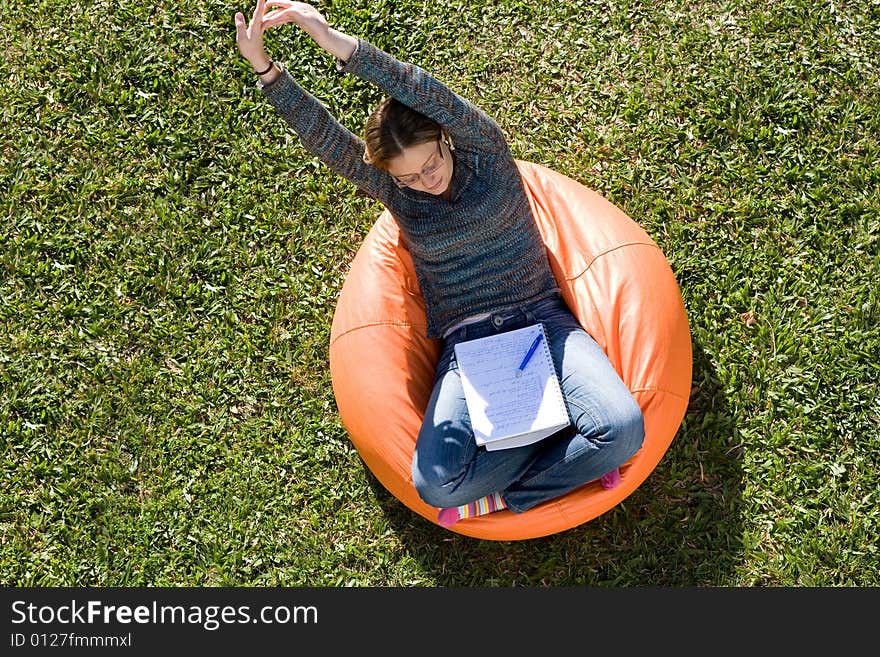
[271,64]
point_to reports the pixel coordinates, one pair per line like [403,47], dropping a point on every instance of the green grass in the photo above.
[170,259]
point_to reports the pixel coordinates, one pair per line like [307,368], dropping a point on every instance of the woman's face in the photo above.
[425,167]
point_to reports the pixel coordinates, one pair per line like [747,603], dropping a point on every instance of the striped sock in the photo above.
[480,507]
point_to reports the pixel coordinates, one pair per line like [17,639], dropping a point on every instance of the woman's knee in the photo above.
[426,480]
[433,480]
[435,489]
[626,428]
[440,497]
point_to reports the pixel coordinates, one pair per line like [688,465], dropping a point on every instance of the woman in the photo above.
[444,170]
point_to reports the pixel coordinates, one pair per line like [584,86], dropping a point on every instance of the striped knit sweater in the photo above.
[476,253]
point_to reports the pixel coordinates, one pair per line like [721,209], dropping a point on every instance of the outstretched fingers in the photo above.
[257,17]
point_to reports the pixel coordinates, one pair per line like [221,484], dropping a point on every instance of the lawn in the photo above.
[170,260]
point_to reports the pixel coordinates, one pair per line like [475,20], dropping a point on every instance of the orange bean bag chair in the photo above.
[614,278]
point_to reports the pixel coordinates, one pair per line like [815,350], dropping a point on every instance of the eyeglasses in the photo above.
[431,167]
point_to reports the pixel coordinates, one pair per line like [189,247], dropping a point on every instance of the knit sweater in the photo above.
[478,252]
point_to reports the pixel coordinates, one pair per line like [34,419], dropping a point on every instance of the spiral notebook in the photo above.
[510,407]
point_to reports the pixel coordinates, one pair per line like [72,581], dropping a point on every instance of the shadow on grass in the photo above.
[681,527]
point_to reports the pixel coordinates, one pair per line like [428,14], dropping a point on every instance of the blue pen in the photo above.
[528,356]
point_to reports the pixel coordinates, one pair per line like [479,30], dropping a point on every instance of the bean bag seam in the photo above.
[663,390]
[611,250]
[370,325]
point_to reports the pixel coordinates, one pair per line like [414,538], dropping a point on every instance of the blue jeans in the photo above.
[607,428]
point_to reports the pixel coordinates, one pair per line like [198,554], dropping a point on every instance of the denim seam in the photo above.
[575,403]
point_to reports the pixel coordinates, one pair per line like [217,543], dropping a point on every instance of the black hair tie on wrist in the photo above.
[271,64]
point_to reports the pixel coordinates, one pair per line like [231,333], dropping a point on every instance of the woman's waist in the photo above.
[506,317]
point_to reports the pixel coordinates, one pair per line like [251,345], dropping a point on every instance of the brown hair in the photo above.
[394,126]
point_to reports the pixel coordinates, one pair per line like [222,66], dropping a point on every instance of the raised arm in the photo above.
[320,133]
[408,83]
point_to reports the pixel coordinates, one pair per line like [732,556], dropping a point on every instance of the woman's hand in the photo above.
[302,14]
[310,21]
[249,36]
